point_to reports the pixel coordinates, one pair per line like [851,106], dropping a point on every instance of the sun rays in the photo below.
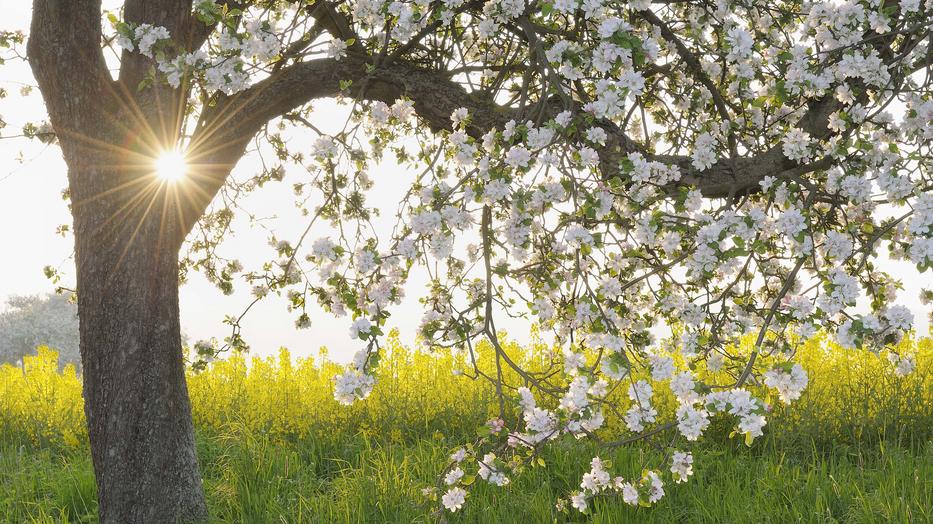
[151,168]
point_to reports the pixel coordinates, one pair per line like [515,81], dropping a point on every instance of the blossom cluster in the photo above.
[645,491]
[789,384]
[224,66]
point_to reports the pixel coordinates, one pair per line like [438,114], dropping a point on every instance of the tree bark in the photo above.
[136,399]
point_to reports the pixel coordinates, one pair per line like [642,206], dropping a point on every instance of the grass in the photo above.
[257,479]
[855,448]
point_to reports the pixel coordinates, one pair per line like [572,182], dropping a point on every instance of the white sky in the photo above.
[31,208]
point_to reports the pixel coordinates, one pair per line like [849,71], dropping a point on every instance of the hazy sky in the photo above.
[31,208]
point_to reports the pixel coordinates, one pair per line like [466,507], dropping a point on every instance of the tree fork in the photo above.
[136,398]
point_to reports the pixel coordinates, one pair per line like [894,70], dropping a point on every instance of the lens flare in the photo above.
[171,166]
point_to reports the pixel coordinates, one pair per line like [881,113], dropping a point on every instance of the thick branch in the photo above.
[67,62]
[231,123]
[727,178]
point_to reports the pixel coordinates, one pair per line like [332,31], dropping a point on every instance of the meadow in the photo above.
[274,446]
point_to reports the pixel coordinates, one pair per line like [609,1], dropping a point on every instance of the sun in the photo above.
[171,166]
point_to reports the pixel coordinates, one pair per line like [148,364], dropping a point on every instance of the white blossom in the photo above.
[681,466]
[454,498]
[789,384]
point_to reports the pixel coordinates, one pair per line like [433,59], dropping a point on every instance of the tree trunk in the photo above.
[128,228]
[136,398]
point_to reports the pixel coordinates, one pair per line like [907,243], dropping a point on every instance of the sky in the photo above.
[32,177]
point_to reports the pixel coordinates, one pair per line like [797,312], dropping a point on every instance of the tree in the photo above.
[31,321]
[727,168]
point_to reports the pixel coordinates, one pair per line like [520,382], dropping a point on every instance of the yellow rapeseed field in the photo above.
[417,392]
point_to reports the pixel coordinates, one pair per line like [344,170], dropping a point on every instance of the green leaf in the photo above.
[781,91]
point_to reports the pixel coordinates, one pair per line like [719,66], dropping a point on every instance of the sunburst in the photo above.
[171,166]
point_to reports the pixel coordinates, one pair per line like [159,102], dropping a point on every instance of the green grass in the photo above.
[254,479]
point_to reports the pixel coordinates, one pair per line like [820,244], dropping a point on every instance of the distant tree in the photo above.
[30,321]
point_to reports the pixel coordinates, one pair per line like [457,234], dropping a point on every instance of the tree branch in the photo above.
[66,59]
[229,125]
[694,66]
